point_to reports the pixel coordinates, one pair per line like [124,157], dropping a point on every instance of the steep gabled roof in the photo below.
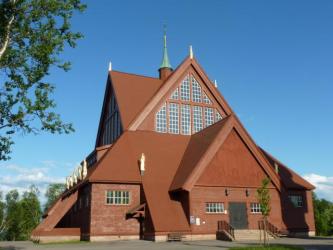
[198,153]
[133,92]
[189,174]
[289,178]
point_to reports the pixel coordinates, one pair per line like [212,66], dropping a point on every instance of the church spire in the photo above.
[165,60]
[165,68]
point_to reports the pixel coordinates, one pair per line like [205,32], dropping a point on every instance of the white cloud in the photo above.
[323,184]
[21,178]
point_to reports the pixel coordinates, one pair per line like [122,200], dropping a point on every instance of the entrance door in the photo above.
[238,215]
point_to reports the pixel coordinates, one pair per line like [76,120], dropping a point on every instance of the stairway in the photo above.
[249,235]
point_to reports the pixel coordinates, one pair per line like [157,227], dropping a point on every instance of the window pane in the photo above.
[206,99]
[174,118]
[209,116]
[174,95]
[161,122]
[218,116]
[197,119]
[186,119]
[185,89]
[196,90]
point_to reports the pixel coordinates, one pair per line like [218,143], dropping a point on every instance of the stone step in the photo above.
[242,235]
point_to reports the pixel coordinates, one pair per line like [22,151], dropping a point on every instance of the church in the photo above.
[172,161]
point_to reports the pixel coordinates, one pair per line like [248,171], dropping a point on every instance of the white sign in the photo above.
[197,221]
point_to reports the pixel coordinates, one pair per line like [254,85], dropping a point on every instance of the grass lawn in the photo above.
[63,242]
[271,247]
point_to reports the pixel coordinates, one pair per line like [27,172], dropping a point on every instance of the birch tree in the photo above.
[33,34]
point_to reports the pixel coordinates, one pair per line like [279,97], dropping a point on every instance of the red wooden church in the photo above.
[172,159]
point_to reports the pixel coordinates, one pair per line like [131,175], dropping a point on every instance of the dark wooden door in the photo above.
[238,215]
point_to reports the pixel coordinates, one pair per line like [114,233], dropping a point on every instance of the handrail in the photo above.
[269,227]
[223,225]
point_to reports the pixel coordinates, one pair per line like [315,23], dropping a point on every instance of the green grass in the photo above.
[63,242]
[272,247]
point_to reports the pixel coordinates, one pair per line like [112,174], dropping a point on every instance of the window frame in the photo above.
[209,205]
[116,197]
[255,209]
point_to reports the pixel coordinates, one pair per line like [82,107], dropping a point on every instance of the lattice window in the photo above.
[180,114]
[161,120]
[196,90]
[175,95]
[173,118]
[206,99]
[255,208]
[185,89]
[117,197]
[186,119]
[197,119]
[214,207]
[209,116]
[218,116]
[111,129]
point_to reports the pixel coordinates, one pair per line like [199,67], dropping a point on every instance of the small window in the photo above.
[117,197]
[214,207]
[296,200]
[255,208]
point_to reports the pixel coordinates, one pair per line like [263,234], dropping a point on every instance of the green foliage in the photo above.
[21,215]
[323,212]
[33,34]
[14,216]
[31,211]
[52,193]
[264,197]
[2,216]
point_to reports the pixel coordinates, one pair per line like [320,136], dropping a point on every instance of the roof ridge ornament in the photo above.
[191,52]
[215,83]
[110,66]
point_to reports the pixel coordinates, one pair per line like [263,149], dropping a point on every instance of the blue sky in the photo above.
[272,60]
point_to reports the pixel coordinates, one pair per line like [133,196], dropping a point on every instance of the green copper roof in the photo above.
[165,60]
